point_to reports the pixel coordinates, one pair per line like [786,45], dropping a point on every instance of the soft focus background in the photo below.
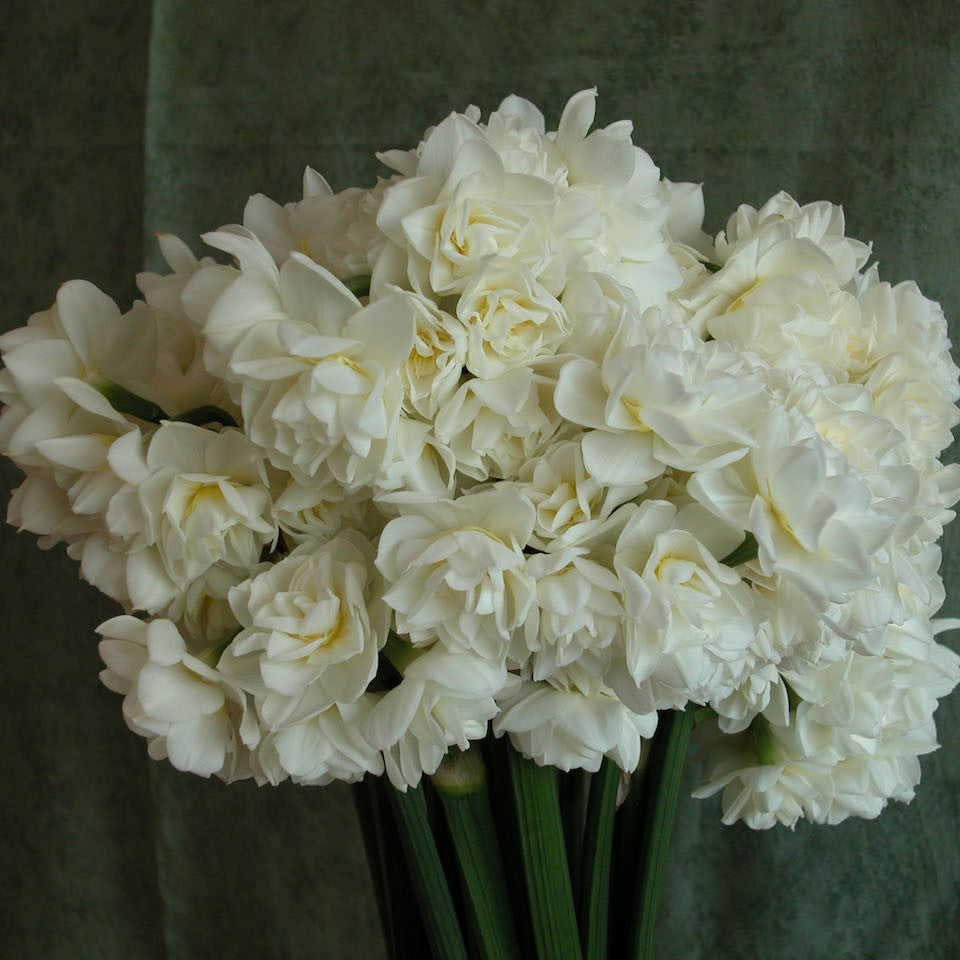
[121,118]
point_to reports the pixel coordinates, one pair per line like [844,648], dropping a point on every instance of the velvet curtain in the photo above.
[122,118]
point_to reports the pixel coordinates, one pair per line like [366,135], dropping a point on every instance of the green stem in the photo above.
[549,894]
[125,401]
[662,784]
[496,754]
[366,806]
[359,286]
[426,870]
[461,783]
[204,414]
[408,935]
[597,855]
[574,791]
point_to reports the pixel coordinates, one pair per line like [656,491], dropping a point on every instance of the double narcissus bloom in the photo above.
[507,442]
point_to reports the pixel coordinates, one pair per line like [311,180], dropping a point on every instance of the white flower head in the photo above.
[572,505]
[572,722]
[673,402]
[181,381]
[813,518]
[443,700]
[510,318]
[690,619]
[577,615]
[55,366]
[494,427]
[187,710]
[311,627]
[192,500]
[456,572]
[320,510]
[325,747]
[315,374]
[336,230]
[460,207]
[432,372]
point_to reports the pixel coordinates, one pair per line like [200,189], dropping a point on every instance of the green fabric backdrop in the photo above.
[119,119]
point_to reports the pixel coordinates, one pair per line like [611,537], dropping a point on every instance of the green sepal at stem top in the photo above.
[661,785]
[745,552]
[426,871]
[461,783]
[549,894]
[594,902]
[126,401]
[202,415]
[359,286]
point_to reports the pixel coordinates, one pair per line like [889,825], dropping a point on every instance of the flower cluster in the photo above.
[507,443]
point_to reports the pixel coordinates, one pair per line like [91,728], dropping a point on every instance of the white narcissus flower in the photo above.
[325,747]
[193,500]
[577,615]
[461,206]
[690,619]
[814,520]
[311,628]
[794,323]
[572,505]
[443,700]
[314,372]
[821,223]
[597,306]
[853,741]
[181,381]
[186,709]
[54,368]
[674,402]
[455,570]
[615,203]
[572,722]
[336,230]
[510,318]
[493,427]
[781,240]
[432,372]
[40,506]
[763,792]
[319,511]
[900,321]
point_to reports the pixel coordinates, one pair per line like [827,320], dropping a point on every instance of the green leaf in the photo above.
[550,897]
[745,552]
[207,413]
[597,856]
[426,870]
[359,286]
[661,786]
[460,781]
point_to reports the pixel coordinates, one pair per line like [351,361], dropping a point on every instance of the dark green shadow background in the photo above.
[120,119]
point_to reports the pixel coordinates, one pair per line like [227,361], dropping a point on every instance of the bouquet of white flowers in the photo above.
[501,468]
